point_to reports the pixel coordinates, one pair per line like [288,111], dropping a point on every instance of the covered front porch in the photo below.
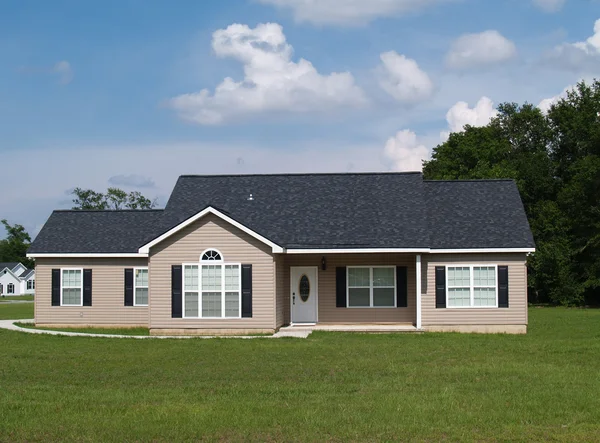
[357,291]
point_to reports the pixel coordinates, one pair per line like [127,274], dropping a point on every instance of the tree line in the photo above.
[555,160]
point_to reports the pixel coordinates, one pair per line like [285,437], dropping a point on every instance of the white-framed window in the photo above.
[71,287]
[10,288]
[472,286]
[140,286]
[212,288]
[371,286]
[30,284]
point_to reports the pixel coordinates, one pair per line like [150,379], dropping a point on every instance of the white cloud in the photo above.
[403,79]
[405,151]
[485,48]
[460,115]
[549,5]
[64,71]
[579,55]
[350,12]
[272,82]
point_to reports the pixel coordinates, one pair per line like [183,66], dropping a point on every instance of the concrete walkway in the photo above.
[10,325]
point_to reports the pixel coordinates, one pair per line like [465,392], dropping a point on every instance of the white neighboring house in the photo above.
[16,279]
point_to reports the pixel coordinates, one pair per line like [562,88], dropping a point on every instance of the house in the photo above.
[16,279]
[251,253]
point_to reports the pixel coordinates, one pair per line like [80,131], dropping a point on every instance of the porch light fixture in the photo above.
[323,263]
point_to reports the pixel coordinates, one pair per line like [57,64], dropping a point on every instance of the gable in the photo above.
[211,213]
[210,232]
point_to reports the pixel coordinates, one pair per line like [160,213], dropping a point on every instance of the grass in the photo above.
[543,386]
[111,331]
[17,311]
[17,297]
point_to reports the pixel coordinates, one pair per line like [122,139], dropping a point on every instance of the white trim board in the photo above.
[406,250]
[482,250]
[145,249]
[279,250]
[354,250]
[90,255]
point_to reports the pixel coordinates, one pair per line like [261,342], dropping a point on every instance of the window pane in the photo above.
[384,297]
[232,304]
[232,277]
[358,277]
[141,296]
[359,297]
[383,276]
[459,297]
[459,276]
[484,276]
[191,278]
[211,304]
[211,277]
[141,277]
[71,278]
[71,296]
[485,296]
[191,304]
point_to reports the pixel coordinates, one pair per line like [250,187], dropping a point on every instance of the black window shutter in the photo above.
[87,287]
[176,295]
[56,287]
[129,287]
[401,286]
[247,291]
[503,286]
[440,286]
[340,287]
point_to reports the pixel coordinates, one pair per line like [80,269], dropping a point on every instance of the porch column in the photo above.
[418,272]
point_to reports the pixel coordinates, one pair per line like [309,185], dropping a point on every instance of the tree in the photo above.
[14,247]
[113,199]
[555,161]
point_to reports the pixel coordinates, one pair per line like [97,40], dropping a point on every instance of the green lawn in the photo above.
[16,311]
[112,331]
[544,386]
[17,297]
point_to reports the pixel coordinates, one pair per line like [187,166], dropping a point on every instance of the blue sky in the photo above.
[96,94]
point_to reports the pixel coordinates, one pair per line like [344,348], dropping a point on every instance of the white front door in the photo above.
[303,295]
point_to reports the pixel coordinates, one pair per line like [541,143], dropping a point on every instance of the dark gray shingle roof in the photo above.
[97,231]
[389,210]
[314,210]
[475,214]
[25,275]
[9,265]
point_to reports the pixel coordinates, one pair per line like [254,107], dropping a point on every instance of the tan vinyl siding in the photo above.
[328,312]
[108,281]
[515,314]
[236,246]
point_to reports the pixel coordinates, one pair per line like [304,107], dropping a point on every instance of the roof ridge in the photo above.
[287,174]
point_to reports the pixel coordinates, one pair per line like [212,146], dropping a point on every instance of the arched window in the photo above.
[10,288]
[212,288]
[211,255]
